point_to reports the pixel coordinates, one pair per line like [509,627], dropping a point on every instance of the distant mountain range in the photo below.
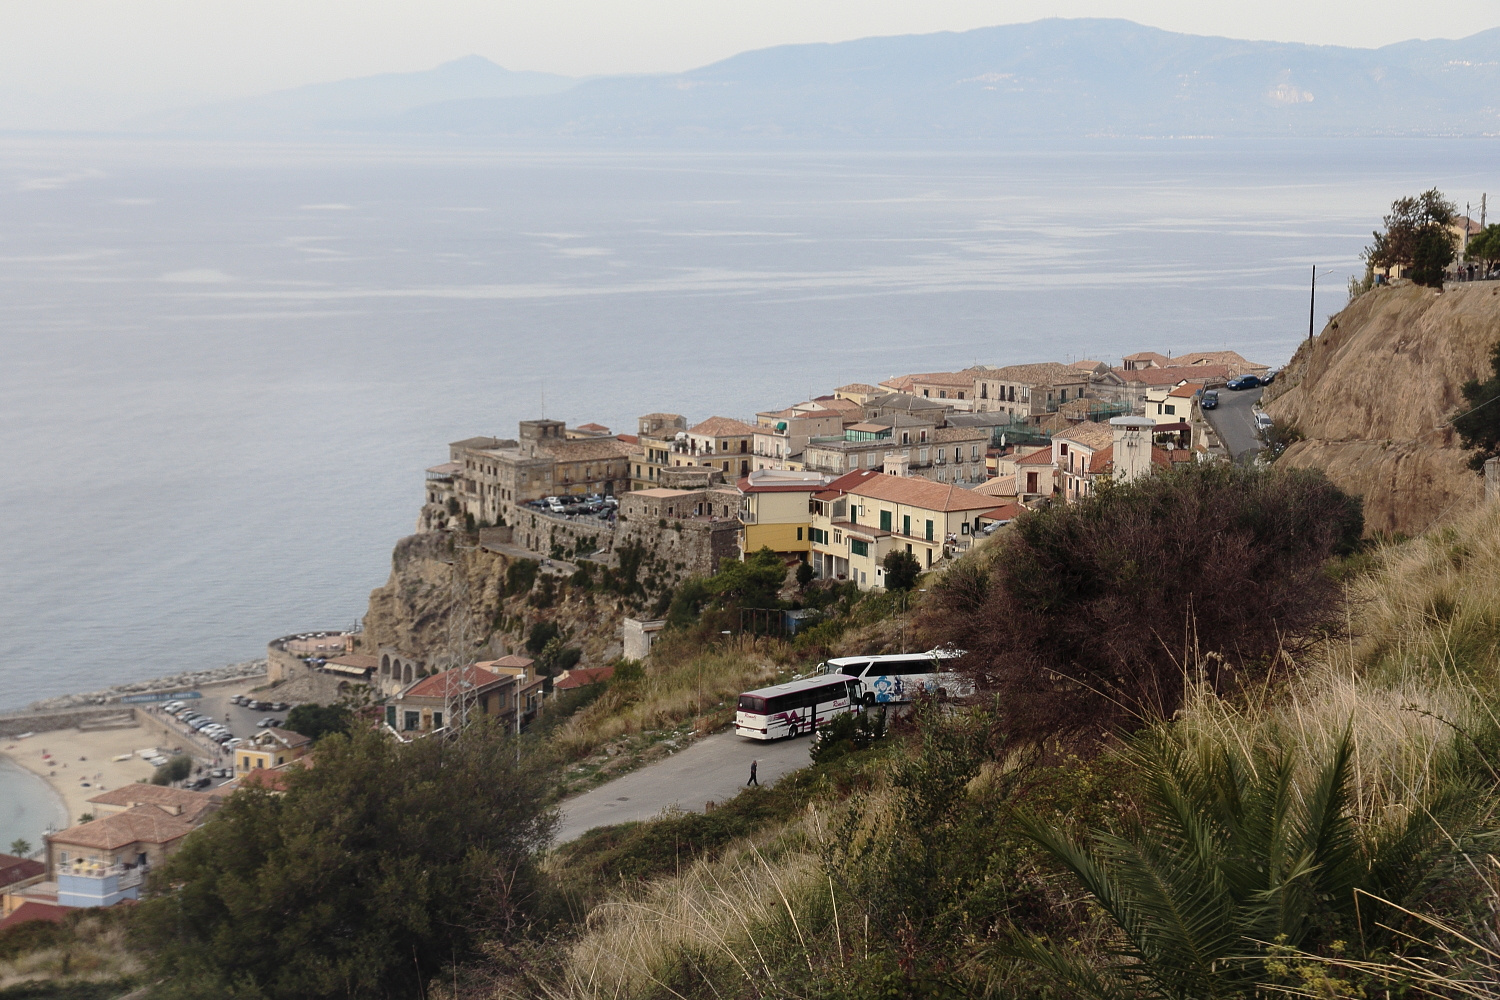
[1051,78]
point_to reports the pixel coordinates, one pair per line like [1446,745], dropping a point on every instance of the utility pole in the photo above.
[1312,302]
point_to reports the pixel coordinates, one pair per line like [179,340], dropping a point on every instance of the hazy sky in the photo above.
[104,55]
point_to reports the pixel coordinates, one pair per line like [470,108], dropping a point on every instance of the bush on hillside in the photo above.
[371,873]
[1096,613]
[318,721]
[1479,425]
[901,570]
[175,769]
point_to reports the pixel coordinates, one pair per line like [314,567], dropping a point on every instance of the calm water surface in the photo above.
[223,368]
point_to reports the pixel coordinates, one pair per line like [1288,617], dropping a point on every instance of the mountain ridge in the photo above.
[1050,78]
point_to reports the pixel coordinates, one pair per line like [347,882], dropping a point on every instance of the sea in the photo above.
[225,366]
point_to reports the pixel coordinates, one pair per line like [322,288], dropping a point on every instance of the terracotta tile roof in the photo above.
[923,493]
[846,407]
[272,779]
[138,824]
[1003,486]
[960,434]
[1087,366]
[1042,456]
[860,387]
[1226,358]
[630,439]
[1005,512]
[512,660]
[1187,391]
[188,804]
[1160,359]
[665,417]
[1089,435]
[14,869]
[903,383]
[285,737]
[1041,373]
[438,684]
[722,427]
[1102,459]
[480,443]
[580,677]
[592,427]
[904,401]
[588,449]
[848,481]
[32,910]
[1173,374]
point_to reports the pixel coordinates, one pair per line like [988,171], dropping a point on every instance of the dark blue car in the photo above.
[1243,382]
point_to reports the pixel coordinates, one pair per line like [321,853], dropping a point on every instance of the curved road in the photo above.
[712,769]
[1234,421]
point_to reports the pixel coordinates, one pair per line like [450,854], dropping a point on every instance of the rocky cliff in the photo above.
[446,599]
[1372,396]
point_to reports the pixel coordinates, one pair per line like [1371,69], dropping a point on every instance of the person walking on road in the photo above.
[754,764]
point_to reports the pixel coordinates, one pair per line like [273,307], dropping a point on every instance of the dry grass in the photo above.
[97,952]
[680,683]
[734,918]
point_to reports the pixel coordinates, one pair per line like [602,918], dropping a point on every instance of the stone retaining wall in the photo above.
[45,722]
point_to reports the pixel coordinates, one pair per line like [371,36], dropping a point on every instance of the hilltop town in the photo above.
[922,462]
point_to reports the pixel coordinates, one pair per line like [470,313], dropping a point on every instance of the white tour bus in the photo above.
[896,678]
[795,707]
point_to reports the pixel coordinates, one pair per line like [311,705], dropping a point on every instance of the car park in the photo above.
[1242,382]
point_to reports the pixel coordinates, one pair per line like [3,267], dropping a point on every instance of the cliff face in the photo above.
[1373,394]
[444,593]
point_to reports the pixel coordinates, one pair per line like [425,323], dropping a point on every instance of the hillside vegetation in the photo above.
[1327,829]
[1372,396]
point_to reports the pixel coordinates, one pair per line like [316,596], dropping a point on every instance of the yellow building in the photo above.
[864,515]
[269,748]
[776,513]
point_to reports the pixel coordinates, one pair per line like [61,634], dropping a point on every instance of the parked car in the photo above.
[260,706]
[268,722]
[1269,377]
[1243,382]
[187,716]
[171,707]
[1263,422]
[1210,400]
[233,742]
[280,706]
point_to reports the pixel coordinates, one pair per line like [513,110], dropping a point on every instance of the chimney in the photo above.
[897,465]
[1132,447]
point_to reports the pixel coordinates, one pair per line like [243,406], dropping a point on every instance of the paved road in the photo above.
[1234,420]
[711,770]
[216,703]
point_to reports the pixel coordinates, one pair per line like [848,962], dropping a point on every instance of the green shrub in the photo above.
[175,769]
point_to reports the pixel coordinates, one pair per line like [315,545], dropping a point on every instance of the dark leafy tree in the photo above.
[1096,613]
[1416,237]
[1434,252]
[541,633]
[1484,248]
[752,582]
[1479,425]
[376,869]
[318,721]
[804,575]
[901,570]
[175,769]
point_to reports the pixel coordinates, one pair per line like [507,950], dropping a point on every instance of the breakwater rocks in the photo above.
[176,682]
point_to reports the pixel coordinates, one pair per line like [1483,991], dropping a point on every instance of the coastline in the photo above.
[25,793]
[79,764]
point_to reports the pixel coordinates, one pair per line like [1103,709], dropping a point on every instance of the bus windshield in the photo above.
[752,703]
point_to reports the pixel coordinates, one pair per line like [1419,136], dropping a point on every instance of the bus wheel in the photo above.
[792,729]
[869,699]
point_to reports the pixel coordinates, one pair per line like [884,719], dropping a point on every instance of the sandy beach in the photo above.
[78,765]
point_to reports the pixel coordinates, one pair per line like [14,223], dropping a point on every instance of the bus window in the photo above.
[925,665]
[854,669]
[750,703]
